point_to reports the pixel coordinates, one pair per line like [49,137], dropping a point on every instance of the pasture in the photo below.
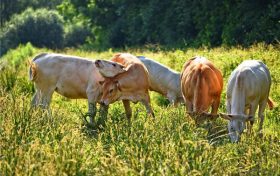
[34,143]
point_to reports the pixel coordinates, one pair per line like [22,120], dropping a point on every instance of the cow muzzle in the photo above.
[103,102]
[98,64]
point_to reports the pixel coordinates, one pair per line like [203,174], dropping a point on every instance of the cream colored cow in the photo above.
[70,76]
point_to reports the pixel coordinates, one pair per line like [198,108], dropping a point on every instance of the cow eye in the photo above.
[111,91]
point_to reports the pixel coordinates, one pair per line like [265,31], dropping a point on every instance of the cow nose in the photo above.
[102,102]
[97,63]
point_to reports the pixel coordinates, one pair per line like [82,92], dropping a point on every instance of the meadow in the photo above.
[33,142]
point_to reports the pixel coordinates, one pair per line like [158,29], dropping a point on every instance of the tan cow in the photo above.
[162,79]
[70,76]
[201,85]
[131,85]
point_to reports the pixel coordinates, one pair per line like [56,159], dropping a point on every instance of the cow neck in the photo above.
[238,101]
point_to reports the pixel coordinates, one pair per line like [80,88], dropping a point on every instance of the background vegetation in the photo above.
[121,23]
[32,142]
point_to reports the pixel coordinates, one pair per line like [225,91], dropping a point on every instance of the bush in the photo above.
[42,28]
[76,35]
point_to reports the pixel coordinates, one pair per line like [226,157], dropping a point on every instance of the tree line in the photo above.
[180,23]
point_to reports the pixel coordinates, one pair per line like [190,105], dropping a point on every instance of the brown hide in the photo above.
[132,85]
[201,84]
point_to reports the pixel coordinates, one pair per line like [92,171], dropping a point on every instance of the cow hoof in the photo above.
[85,119]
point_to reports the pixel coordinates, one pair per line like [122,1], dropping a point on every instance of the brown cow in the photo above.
[162,79]
[201,85]
[131,85]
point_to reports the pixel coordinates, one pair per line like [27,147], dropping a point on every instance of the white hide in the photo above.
[248,88]
[163,80]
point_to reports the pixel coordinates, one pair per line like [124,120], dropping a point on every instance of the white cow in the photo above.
[248,88]
[162,79]
[70,76]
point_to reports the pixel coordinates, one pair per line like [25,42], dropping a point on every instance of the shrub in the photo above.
[42,28]
[76,35]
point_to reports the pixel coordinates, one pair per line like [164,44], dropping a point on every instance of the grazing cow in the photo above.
[162,79]
[248,88]
[70,76]
[130,85]
[201,85]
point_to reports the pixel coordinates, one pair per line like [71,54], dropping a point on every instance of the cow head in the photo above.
[109,68]
[111,91]
[236,125]
[202,116]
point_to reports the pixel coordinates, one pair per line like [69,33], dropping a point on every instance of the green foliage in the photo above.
[8,79]
[16,58]
[8,8]
[183,23]
[161,101]
[38,142]
[76,35]
[42,28]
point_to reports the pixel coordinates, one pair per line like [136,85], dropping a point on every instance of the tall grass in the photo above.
[36,142]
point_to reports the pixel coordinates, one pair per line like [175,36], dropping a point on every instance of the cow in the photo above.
[70,76]
[130,85]
[201,85]
[162,79]
[109,68]
[248,89]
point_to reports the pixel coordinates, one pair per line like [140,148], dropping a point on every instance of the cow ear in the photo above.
[101,82]
[226,116]
[127,67]
[122,67]
[209,116]
[118,85]
[249,118]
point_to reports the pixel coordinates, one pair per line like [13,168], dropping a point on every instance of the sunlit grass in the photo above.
[38,142]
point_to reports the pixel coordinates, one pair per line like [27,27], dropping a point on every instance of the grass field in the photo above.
[34,143]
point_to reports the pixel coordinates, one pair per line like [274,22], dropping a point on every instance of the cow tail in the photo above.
[32,71]
[270,103]
[197,97]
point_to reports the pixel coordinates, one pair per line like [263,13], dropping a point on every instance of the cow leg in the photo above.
[215,106]
[171,97]
[103,111]
[128,110]
[35,99]
[189,106]
[91,111]
[252,111]
[46,96]
[261,114]
[43,98]
[147,104]
[92,94]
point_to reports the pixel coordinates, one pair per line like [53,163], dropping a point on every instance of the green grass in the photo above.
[34,142]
